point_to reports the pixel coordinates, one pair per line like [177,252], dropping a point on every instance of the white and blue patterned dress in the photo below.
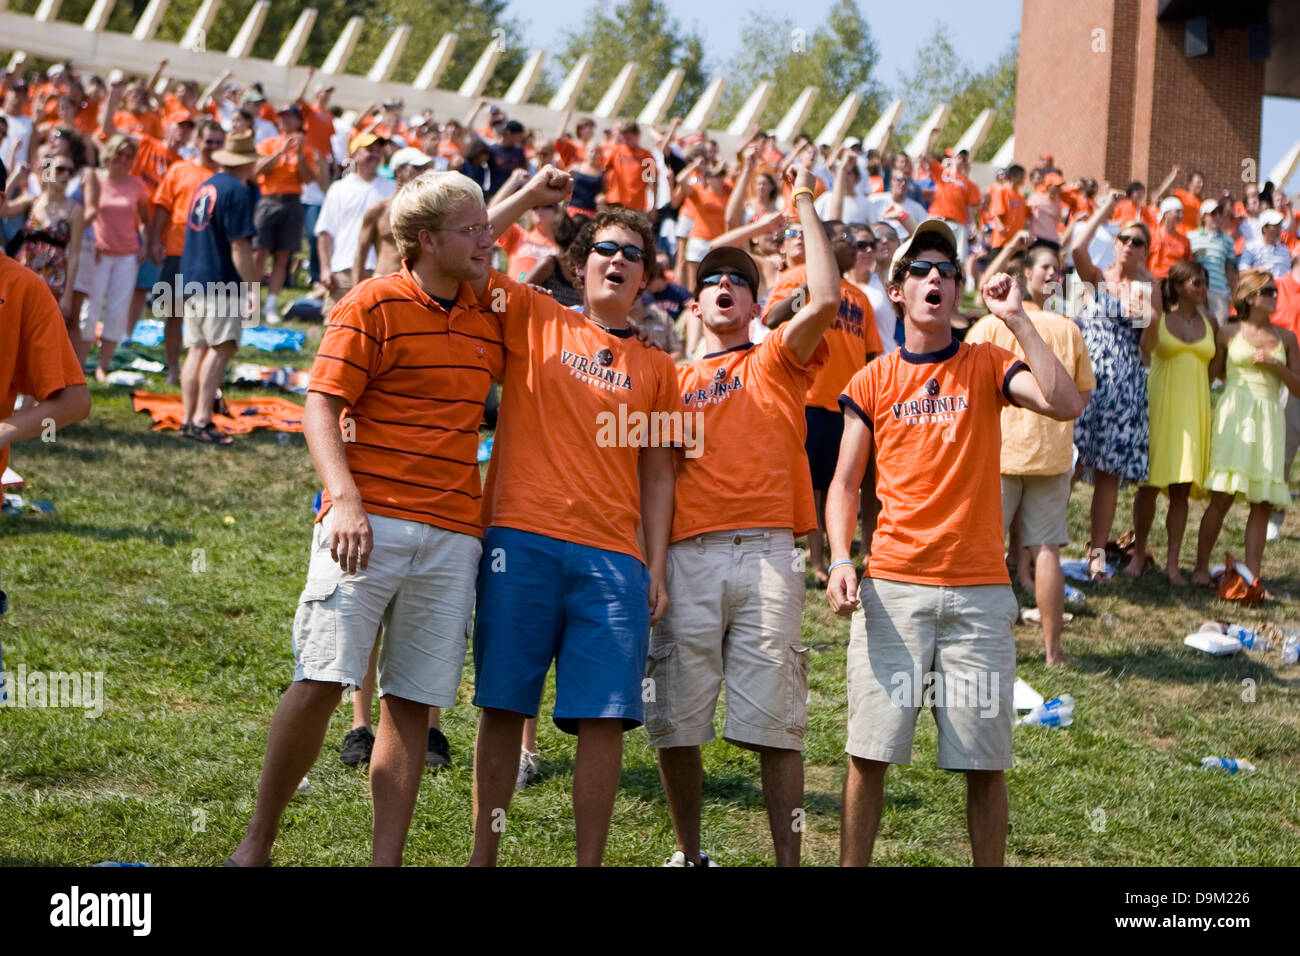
[1112,434]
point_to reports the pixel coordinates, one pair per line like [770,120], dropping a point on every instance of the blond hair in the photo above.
[115,145]
[1249,282]
[425,203]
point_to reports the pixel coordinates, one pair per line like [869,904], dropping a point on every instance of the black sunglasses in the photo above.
[609,249]
[791,233]
[1131,239]
[921,268]
[1268,290]
[737,278]
[864,244]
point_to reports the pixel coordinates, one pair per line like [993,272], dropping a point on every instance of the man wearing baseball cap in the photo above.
[1168,244]
[932,615]
[735,577]
[338,230]
[1268,251]
[1213,248]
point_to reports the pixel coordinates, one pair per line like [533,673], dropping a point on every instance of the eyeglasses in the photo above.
[921,268]
[791,233]
[846,237]
[1132,239]
[715,278]
[863,245]
[610,249]
[474,231]
[1268,290]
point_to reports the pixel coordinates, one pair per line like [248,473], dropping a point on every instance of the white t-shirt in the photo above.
[877,203]
[13,148]
[853,210]
[886,321]
[340,216]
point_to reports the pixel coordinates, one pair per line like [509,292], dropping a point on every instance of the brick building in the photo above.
[1125,89]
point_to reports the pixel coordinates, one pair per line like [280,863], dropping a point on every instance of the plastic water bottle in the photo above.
[1228,765]
[1248,638]
[1073,595]
[1057,712]
[1291,649]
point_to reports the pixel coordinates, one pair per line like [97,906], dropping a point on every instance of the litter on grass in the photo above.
[1024,697]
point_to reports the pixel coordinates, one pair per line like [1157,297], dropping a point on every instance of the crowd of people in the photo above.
[803,305]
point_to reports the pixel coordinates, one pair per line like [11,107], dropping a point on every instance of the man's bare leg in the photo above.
[596,770]
[783,793]
[1049,594]
[190,375]
[682,771]
[395,770]
[173,327]
[210,377]
[496,765]
[864,799]
[292,746]
[986,816]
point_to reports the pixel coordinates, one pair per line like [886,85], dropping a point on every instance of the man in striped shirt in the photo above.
[397,392]
[1212,248]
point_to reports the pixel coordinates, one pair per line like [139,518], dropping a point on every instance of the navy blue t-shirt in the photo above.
[221,212]
[672,298]
[505,160]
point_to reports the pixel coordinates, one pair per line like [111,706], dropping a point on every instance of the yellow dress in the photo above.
[1249,433]
[1178,390]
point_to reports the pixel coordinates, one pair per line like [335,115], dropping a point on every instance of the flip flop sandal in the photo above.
[211,435]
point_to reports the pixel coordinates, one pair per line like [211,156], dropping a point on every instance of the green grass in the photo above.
[195,660]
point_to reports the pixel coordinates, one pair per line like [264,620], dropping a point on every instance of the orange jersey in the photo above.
[1191,210]
[133,124]
[1127,211]
[152,160]
[935,421]
[36,356]
[1077,204]
[449,150]
[282,178]
[953,193]
[317,130]
[1288,303]
[525,247]
[628,173]
[753,472]
[175,193]
[568,152]
[576,408]
[415,377]
[852,338]
[708,210]
[1166,249]
[1008,205]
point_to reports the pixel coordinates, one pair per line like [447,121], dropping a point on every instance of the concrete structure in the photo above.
[1125,89]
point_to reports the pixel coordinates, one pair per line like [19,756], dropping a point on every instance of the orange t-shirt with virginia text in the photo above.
[852,337]
[576,409]
[753,470]
[626,183]
[935,419]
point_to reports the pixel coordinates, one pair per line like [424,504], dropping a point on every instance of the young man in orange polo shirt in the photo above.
[932,616]
[397,392]
[735,578]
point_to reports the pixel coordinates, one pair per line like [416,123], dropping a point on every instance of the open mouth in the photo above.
[934,297]
[724,300]
[614,278]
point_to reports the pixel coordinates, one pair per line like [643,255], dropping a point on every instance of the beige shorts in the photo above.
[419,585]
[1217,303]
[210,321]
[736,605]
[1042,501]
[947,648]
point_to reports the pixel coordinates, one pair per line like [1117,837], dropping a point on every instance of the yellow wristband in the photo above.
[800,191]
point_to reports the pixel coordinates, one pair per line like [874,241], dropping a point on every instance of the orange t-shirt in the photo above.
[626,183]
[1007,204]
[1126,211]
[708,210]
[1166,249]
[525,247]
[936,423]
[1077,204]
[1288,303]
[953,193]
[568,152]
[282,178]
[747,404]
[132,124]
[152,160]
[852,337]
[175,193]
[36,356]
[1191,210]
[449,150]
[576,409]
[317,130]
[415,378]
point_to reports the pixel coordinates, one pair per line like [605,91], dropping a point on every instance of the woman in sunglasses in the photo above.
[1248,438]
[578,505]
[1112,433]
[1180,347]
[49,241]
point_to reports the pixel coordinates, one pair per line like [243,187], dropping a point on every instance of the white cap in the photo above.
[852,141]
[1271,217]
[1209,206]
[409,156]
[1171,204]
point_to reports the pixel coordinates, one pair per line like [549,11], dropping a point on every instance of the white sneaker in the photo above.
[679,859]
[530,769]
[1274,526]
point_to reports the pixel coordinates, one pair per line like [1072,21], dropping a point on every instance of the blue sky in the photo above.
[979,30]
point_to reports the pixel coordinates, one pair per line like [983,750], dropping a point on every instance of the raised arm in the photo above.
[1019,242]
[1083,265]
[812,320]
[1048,389]
[755,227]
[736,201]
[548,186]
[210,92]
[1165,184]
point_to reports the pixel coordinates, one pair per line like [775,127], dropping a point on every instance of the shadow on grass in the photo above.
[15,527]
[1173,666]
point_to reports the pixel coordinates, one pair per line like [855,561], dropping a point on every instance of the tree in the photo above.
[940,75]
[641,31]
[838,59]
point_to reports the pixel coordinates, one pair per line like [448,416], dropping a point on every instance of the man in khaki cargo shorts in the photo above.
[933,614]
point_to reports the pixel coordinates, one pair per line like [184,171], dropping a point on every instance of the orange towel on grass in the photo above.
[277,414]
